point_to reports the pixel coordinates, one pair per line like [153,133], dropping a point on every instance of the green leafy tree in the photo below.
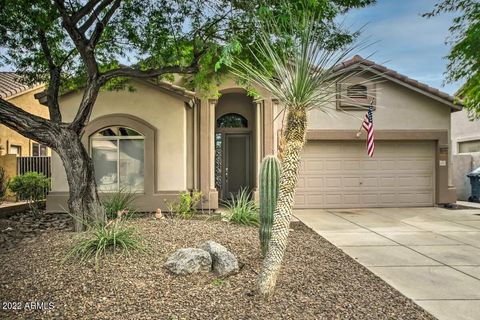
[301,72]
[85,43]
[464,57]
[32,187]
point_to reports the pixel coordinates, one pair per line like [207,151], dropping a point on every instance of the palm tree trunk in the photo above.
[294,137]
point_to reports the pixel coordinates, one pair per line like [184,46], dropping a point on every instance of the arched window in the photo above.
[357,91]
[118,155]
[232,120]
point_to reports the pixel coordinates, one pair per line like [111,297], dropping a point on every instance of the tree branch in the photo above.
[27,124]
[94,16]
[100,26]
[79,39]
[86,106]
[54,83]
[135,73]
[83,11]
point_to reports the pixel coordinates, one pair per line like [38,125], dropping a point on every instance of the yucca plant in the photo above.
[242,210]
[300,71]
[122,200]
[104,239]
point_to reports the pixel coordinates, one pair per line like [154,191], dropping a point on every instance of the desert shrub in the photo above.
[186,205]
[217,282]
[3,184]
[105,239]
[121,200]
[242,210]
[32,187]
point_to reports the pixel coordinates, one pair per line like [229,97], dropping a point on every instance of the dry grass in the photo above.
[318,281]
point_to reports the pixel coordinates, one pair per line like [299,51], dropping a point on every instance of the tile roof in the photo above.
[174,88]
[358,60]
[10,84]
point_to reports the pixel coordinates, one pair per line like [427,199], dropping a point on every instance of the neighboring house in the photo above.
[21,95]
[161,140]
[465,150]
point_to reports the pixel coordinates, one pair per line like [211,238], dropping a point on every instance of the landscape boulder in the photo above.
[223,261]
[189,260]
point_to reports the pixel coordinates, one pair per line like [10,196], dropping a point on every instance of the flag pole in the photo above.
[361,125]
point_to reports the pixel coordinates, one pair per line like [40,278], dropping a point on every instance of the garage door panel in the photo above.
[388,182]
[333,165]
[338,174]
[313,165]
[316,183]
[332,199]
[351,165]
[368,165]
[300,199]
[370,199]
[301,182]
[351,182]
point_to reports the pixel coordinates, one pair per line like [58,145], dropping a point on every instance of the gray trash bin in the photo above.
[475,183]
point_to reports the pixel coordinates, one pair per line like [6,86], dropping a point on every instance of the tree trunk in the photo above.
[294,138]
[83,202]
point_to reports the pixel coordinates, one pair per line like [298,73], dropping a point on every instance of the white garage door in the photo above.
[339,174]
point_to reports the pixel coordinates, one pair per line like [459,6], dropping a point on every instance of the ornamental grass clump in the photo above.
[242,210]
[120,201]
[101,240]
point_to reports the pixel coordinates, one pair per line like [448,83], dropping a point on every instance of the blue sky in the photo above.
[405,41]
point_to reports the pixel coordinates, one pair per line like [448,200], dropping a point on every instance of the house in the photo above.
[21,95]
[465,150]
[162,139]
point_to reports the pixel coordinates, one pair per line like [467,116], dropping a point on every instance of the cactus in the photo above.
[269,176]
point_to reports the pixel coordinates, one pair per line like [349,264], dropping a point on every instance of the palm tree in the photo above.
[302,75]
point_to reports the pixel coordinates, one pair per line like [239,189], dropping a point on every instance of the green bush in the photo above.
[30,186]
[104,239]
[186,205]
[3,184]
[119,201]
[242,210]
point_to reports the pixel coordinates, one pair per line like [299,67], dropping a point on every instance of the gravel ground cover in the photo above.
[318,281]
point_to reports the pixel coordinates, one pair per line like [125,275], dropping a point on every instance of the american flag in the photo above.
[368,126]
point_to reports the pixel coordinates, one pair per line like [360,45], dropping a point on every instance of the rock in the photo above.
[212,247]
[189,260]
[224,262]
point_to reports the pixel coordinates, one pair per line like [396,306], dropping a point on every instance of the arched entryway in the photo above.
[234,144]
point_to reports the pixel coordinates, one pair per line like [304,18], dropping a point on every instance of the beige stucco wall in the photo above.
[397,107]
[228,84]
[463,129]
[163,111]
[27,102]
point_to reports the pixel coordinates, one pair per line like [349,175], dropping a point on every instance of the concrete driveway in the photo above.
[431,255]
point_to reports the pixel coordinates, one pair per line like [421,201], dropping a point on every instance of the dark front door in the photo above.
[237,163]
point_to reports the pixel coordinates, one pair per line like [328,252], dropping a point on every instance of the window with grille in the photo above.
[118,158]
[39,150]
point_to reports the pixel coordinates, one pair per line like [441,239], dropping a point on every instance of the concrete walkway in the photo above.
[431,255]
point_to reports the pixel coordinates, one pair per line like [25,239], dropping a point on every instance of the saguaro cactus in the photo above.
[269,176]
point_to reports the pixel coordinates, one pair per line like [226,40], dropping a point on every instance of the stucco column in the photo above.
[207,154]
[446,193]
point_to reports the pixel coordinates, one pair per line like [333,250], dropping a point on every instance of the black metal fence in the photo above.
[35,164]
